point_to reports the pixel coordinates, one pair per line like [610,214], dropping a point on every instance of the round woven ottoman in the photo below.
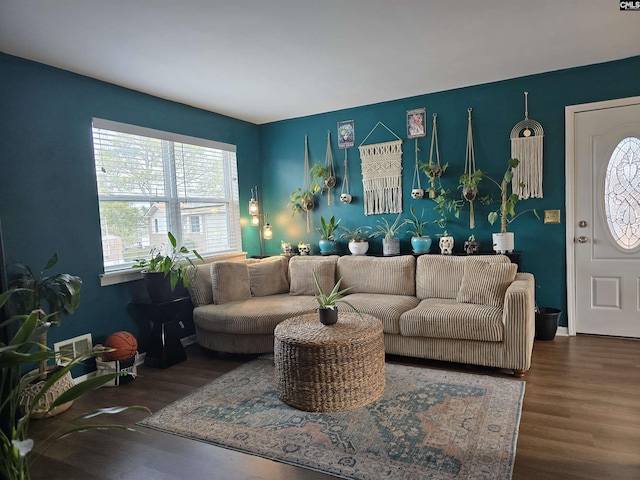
[325,368]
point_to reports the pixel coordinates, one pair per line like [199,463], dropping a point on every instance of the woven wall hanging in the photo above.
[526,146]
[382,175]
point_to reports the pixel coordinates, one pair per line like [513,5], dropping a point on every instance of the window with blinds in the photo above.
[152,182]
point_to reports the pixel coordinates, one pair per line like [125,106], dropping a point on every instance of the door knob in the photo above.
[582,239]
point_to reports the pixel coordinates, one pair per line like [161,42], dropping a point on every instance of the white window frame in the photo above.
[231,200]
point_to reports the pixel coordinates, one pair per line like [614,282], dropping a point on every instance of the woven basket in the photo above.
[329,368]
[42,408]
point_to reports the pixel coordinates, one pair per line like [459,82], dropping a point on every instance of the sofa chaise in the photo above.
[469,309]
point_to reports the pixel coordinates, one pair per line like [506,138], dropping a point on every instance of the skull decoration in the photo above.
[417,193]
[446,245]
[304,248]
[346,198]
[286,248]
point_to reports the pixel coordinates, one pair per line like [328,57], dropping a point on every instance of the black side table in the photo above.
[164,348]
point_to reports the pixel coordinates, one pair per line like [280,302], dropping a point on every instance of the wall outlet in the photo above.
[552,216]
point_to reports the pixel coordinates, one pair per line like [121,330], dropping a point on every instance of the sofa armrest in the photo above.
[519,321]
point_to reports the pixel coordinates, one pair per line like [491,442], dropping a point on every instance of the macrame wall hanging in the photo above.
[526,146]
[382,175]
[434,169]
[330,177]
[470,190]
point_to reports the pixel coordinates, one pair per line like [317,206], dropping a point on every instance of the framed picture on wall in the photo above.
[416,125]
[346,134]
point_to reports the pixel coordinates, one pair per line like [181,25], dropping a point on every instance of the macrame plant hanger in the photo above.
[416,175]
[382,174]
[435,170]
[469,169]
[526,146]
[345,179]
[306,182]
[330,179]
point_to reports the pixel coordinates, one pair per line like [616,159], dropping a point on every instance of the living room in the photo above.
[48,199]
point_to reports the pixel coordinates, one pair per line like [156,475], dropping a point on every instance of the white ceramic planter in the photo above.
[358,248]
[446,245]
[503,242]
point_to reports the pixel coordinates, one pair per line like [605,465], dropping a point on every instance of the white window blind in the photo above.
[152,182]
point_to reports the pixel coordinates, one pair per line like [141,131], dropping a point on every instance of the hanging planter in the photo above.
[471,177]
[433,170]
[416,188]
[330,176]
[302,200]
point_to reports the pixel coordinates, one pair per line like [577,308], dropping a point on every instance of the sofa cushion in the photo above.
[200,286]
[253,315]
[391,275]
[268,276]
[229,281]
[485,283]
[387,308]
[440,276]
[301,274]
[446,318]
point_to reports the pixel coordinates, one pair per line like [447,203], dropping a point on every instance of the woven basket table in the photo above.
[325,368]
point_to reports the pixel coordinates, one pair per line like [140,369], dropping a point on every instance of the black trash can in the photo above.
[547,323]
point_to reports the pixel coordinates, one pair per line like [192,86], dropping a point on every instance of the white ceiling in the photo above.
[268,60]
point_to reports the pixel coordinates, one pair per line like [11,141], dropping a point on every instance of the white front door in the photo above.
[605,230]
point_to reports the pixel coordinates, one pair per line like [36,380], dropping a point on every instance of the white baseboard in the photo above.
[562,331]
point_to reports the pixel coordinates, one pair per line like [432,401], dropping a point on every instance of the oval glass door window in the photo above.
[622,193]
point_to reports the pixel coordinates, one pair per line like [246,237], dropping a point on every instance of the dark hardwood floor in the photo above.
[580,420]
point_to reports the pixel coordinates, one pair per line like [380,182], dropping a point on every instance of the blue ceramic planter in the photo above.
[327,247]
[421,244]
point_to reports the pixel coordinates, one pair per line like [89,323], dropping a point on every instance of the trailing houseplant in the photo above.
[357,238]
[388,232]
[327,304]
[503,241]
[16,447]
[176,266]
[420,241]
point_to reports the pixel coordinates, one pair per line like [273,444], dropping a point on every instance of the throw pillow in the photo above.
[200,286]
[229,282]
[301,274]
[485,283]
[268,277]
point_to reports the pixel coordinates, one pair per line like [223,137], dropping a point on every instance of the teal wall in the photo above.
[497,107]
[48,193]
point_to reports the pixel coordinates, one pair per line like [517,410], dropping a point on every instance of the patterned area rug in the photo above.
[429,424]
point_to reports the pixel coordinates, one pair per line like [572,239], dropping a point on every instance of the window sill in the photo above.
[131,274]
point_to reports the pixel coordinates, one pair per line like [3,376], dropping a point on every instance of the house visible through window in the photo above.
[152,182]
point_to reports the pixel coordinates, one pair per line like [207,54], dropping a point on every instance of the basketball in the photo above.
[125,346]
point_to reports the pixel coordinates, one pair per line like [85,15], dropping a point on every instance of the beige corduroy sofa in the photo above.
[468,309]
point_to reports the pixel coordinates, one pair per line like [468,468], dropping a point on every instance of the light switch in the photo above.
[552,216]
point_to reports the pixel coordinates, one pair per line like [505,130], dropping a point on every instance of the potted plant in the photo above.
[161,273]
[420,241]
[327,304]
[388,231]
[357,238]
[60,294]
[471,246]
[446,242]
[321,172]
[503,242]
[434,172]
[327,231]
[23,349]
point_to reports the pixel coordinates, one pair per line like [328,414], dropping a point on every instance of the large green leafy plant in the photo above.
[16,447]
[57,294]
